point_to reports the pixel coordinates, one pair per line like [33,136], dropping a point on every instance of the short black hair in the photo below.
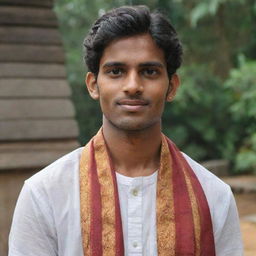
[128,21]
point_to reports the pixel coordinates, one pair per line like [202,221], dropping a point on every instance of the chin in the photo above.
[132,125]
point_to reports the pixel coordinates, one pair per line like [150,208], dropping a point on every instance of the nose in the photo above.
[133,84]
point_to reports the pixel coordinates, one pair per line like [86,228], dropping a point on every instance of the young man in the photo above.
[129,191]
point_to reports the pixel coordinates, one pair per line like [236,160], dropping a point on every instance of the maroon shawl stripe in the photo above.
[207,238]
[184,224]
[96,219]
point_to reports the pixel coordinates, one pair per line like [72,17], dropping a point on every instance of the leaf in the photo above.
[198,12]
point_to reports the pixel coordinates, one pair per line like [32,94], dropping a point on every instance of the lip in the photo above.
[132,105]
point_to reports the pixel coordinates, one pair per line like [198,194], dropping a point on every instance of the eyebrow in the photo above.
[144,64]
[152,64]
[113,64]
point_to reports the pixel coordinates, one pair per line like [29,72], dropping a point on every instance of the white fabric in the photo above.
[46,220]
[138,206]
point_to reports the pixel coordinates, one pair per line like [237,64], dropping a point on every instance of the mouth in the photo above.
[132,105]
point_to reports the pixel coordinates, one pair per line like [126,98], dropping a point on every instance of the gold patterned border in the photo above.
[107,195]
[166,236]
[85,198]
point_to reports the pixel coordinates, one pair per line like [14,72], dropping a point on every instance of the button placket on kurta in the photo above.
[135,218]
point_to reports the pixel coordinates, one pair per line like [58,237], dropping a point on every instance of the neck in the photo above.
[134,153]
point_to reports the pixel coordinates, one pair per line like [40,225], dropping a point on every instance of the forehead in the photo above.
[133,50]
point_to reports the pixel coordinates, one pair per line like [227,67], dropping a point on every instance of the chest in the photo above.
[137,197]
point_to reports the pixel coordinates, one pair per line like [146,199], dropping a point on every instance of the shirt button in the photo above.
[135,244]
[135,192]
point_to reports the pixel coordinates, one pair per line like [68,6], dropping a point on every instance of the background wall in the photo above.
[37,123]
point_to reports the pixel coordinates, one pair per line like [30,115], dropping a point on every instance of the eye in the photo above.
[151,72]
[115,72]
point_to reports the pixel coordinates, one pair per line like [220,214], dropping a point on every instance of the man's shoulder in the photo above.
[62,170]
[218,194]
[207,179]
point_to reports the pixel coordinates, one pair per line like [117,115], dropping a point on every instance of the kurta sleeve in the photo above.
[33,231]
[225,219]
[228,236]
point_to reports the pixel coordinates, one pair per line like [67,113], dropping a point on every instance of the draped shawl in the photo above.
[184,224]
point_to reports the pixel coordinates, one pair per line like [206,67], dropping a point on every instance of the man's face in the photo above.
[132,84]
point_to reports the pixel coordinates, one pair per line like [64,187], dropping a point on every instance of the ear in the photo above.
[92,87]
[174,84]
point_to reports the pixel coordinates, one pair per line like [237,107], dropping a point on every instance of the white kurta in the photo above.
[46,221]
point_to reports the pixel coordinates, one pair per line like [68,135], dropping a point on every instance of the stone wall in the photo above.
[37,123]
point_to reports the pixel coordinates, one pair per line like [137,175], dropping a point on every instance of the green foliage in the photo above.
[197,119]
[203,9]
[245,160]
[241,85]
[207,7]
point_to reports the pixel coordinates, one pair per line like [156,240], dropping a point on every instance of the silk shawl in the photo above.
[184,225]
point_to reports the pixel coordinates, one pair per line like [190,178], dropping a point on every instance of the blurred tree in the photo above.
[221,30]
[197,120]
[214,33]
[242,89]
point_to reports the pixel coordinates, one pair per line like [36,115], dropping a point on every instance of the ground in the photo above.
[246,203]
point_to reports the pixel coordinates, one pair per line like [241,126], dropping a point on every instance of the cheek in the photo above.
[107,90]
[106,100]
[160,100]
[159,88]
[160,96]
